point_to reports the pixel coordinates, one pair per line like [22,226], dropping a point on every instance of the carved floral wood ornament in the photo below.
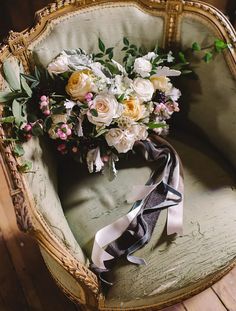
[28,218]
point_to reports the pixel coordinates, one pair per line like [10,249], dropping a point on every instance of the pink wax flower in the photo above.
[47,112]
[65,128]
[27,128]
[88,97]
[61,134]
[43,105]
[43,98]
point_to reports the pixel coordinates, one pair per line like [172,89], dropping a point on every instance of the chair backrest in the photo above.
[67,24]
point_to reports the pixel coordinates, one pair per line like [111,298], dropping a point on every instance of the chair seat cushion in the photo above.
[175,264]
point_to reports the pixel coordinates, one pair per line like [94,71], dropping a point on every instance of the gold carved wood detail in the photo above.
[174,9]
[81,273]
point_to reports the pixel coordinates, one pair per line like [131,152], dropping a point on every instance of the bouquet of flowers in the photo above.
[95,108]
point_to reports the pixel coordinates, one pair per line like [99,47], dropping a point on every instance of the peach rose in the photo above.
[79,84]
[133,109]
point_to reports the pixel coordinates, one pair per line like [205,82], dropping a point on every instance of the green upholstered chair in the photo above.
[63,207]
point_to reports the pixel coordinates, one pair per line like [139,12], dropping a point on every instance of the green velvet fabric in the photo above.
[42,180]
[208,244]
[109,22]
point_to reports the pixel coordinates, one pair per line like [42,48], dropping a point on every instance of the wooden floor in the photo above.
[25,283]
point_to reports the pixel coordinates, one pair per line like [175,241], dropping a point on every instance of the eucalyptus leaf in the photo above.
[9,119]
[26,87]
[12,75]
[7,96]
[29,77]
[18,150]
[16,111]
[25,167]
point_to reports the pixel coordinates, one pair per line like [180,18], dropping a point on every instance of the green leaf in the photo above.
[126,41]
[186,71]
[101,45]
[29,77]
[182,57]
[26,87]
[154,125]
[112,68]
[6,96]
[156,49]
[220,45]
[37,73]
[208,57]
[25,167]
[94,112]
[11,75]
[109,50]
[18,150]
[196,46]
[101,132]
[125,48]
[121,98]
[9,119]
[99,55]
[16,111]
[48,123]
[111,55]
[37,129]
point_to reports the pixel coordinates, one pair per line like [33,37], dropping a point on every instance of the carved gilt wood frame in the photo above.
[28,218]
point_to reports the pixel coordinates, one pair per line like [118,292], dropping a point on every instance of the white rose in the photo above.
[139,131]
[59,65]
[123,141]
[143,88]
[143,67]
[114,136]
[107,108]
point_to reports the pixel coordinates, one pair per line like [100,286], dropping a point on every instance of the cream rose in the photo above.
[59,65]
[79,84]
[107,108]
[143,88]
[142,66]
[161,83]
[133,109]
[123,141]
[139,131]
